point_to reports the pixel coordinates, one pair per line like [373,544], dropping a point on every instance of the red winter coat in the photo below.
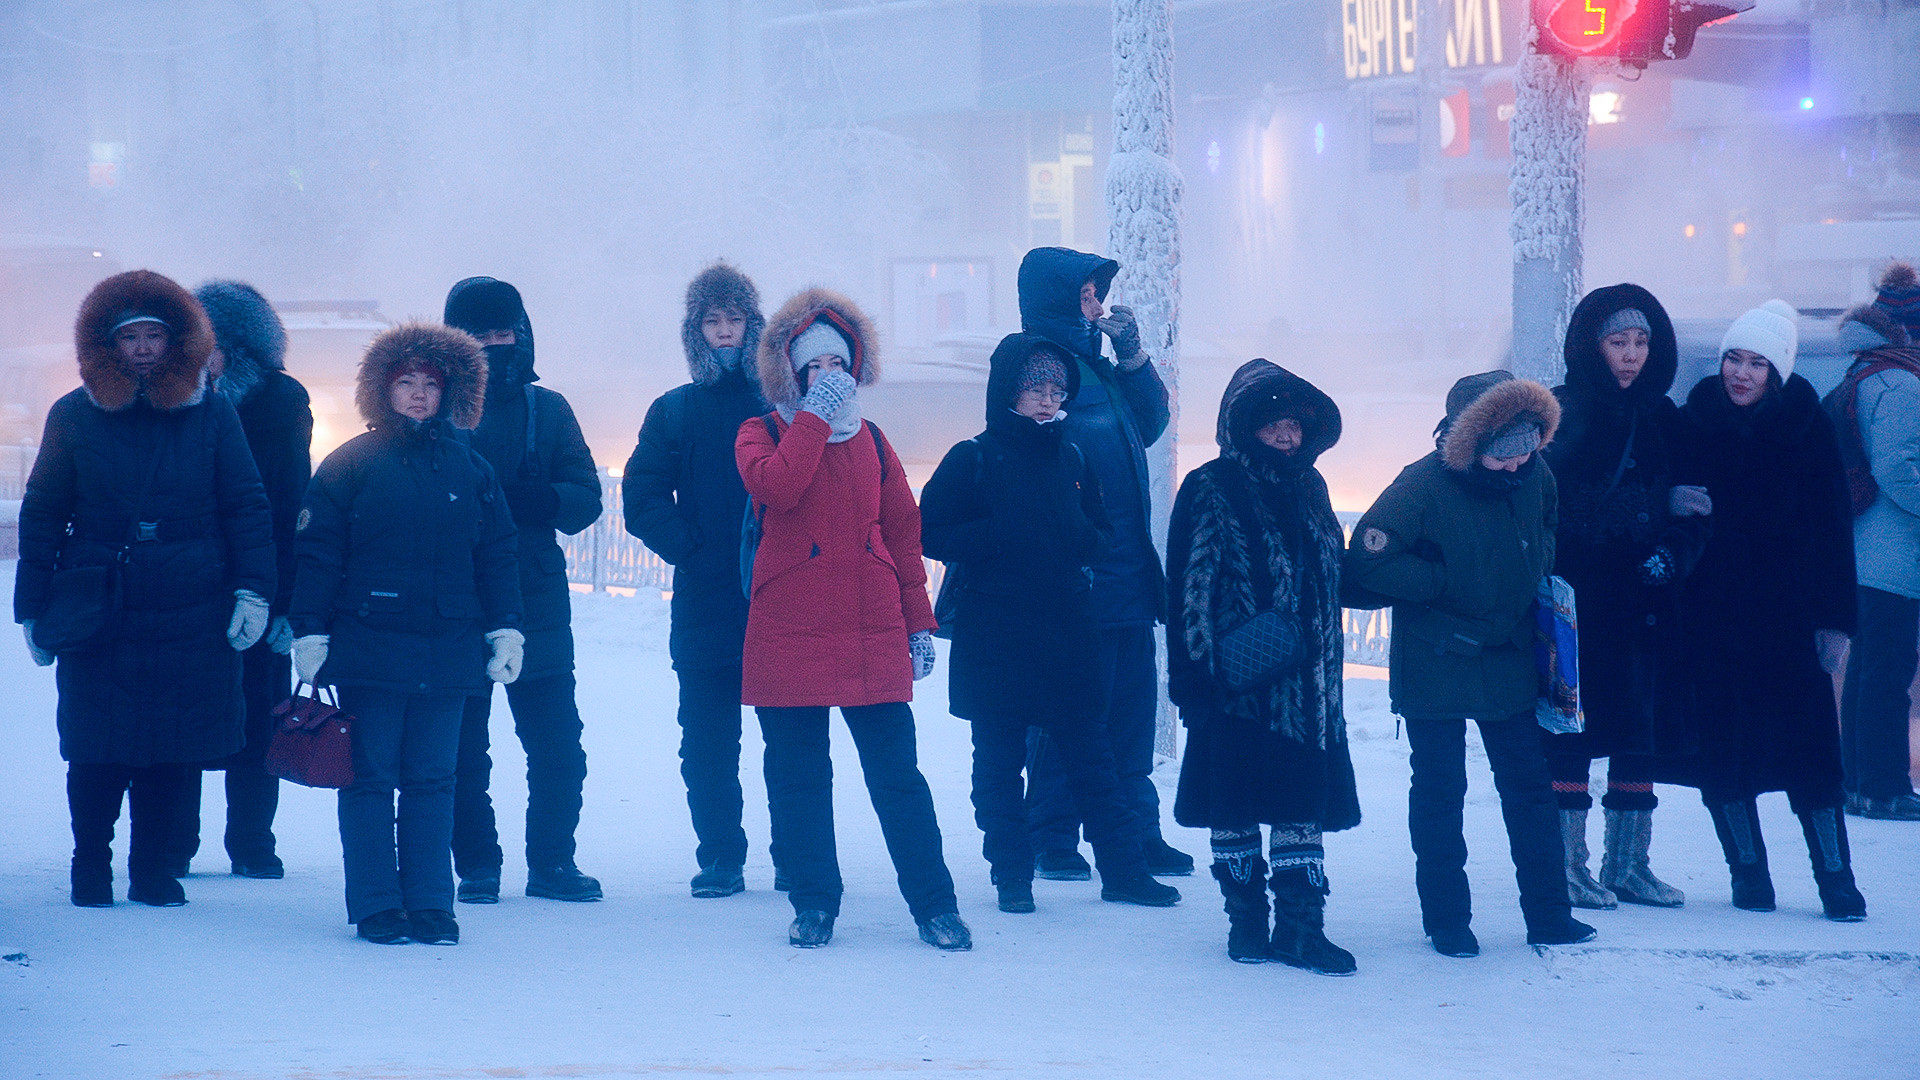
[837,582]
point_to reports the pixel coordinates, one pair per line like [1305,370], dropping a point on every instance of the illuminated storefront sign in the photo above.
[1381,37]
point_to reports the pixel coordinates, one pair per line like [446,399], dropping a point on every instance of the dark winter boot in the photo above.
[1826,830]
[719,880]
[1246,903]
[482,887]
[153,803]
[1738,826]
[1299,925]
[1016,895]
[563,882]
[93,801]
[810,930]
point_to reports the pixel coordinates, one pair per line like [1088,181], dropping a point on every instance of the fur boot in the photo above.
[1826,830]
[1246,904]
[1624,868]
[1738,826]
[1299,926]
[1582,890]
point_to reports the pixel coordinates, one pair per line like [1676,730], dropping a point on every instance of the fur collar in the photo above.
[777,382]
[454,351]
[180,379]
[720,286]
[252,339]
[1501,404]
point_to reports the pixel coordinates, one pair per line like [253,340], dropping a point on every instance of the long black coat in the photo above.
[164,685]
[1015,514]
[1614,460]
[1778,566]
[278,420]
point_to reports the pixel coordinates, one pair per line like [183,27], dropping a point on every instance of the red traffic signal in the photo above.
[1631,30]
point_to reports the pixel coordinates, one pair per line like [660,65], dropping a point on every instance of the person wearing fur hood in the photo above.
[1770,607]
[1458,545]
[407,601]
[837,615]
[684,500]
[1253,531]
[249,370]
[146,561]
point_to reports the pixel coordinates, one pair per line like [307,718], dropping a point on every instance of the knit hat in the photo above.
[478,305]
[1900,296]
[1043,367]
[1625,319]
[1772,330]
[1517,439]
[128,318]
[822,338]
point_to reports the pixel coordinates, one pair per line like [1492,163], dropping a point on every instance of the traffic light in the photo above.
[1636,31]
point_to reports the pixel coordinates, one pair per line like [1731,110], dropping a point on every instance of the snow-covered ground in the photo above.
[257,979]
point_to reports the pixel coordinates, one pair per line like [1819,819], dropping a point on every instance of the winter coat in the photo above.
[163,684]
[1278,754]
[529,436]
[1115,417]
[837,580]
[1886,536]
[406,543]
[1459,553]
[1015,514]
[1778,566]
[682,491]
[1613,461]
[274,409]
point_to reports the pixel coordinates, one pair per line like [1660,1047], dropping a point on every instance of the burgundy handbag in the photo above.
[312,741]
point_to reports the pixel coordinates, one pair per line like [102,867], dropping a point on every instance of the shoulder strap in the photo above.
[1626,452]
[879,450]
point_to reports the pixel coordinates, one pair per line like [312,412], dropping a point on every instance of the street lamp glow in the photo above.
[1806,104]
[1603,107]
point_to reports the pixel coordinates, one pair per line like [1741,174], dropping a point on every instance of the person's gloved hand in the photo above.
[309,656]
[827,394]
[249,620]
[1660,567]
[509,649]
[1832,645]
[533,503]
[1123,330]
[1689,500]
[40,656]
[920,647]
[280,635]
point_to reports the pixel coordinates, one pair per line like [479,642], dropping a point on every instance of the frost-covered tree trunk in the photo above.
[1143,208]
[1548,187]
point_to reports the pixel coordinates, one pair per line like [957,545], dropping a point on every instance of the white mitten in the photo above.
[309,655]
[280,635]
[920,647]
[249,620]
[40,655]
[509,649]
[827,394]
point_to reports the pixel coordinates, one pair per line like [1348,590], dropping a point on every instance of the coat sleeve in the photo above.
[1686,536]
[496,559]
[779,475]
[1146,398]
[246,519]
[320,544]
[1549,518]
[650,486]
[953,523]
[1093,510]
[900,531]
[285,468]
[1891,423]
[1390,554]
[45,512]
[570,468]
[1829,586]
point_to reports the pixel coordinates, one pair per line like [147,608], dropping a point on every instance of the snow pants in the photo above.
[1131,671]
[710,762]
[1875,710]
[405,743]
[999,754]
[548,723]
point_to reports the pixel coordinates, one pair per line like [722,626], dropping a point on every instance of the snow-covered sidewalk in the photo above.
[257,979]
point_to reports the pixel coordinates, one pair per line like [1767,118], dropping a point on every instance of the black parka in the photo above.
[1015,513]
[163,685]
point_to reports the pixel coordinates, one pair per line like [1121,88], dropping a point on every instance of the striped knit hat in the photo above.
[1900,296]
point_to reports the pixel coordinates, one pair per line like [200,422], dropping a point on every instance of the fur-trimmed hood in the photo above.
[1478,417]
[777,382]
[180,379]
[453,351]
[720,286]
[251,337]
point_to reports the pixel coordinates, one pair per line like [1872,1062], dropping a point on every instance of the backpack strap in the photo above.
[879,450]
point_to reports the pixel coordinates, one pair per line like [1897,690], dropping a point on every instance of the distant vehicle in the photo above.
[1819,360]
[325,341]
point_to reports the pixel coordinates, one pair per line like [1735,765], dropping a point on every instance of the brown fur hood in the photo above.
[777,383]
[454,352]
[180,379]
[1499,405]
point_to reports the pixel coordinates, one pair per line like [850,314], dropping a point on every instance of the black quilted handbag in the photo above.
[1259,652]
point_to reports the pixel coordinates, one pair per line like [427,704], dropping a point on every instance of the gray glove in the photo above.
[920,647]
[1832,645]
[309,656]
[1689,500]
[249,620]
[1124,330]
[40,656]
[827,394]
[280,635]
[509,651]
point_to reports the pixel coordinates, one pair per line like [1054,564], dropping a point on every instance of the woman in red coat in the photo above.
[837,615]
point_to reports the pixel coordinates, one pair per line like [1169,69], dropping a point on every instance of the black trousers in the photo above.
[154,797]
[710,762]
[253,794]
[799,768]
[1875,710]
[999,755]
[1436,802]
[1131,671]
[548,723]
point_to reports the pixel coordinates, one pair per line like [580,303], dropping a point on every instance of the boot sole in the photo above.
[91,902]
[143,898]
[571,898]
[1329,972]
[711,893]
[1139,901]
[1064,875]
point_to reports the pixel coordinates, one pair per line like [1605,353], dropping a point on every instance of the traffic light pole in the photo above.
[1548,189]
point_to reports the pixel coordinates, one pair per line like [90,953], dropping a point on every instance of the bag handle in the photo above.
[317,691]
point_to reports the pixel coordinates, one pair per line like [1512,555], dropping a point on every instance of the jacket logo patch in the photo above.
[451,497]
[305,519]
[1374,541]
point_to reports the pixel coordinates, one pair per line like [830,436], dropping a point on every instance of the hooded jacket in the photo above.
[1459,553]
[1277,754]
[838,584]
[406,544]
[1015,514]
[1613,461]
[529,435]
[1116,416]
[682,493]
[162,685]
[1876,415]
[274,409]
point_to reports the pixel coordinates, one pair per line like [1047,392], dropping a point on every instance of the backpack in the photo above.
[752,524]
[1843,408]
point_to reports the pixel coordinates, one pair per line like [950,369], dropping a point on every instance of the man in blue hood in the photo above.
[1120,410]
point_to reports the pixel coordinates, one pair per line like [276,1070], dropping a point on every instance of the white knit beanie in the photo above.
[821,339]
[1771,330]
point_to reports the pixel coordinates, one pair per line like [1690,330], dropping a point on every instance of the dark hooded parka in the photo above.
[1613,460]
[682,489]
[1778,566]
[1458,551]
[529,435]
[1015,514]
[1116,415]
[161,685]
[1277,754]
[406,544]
